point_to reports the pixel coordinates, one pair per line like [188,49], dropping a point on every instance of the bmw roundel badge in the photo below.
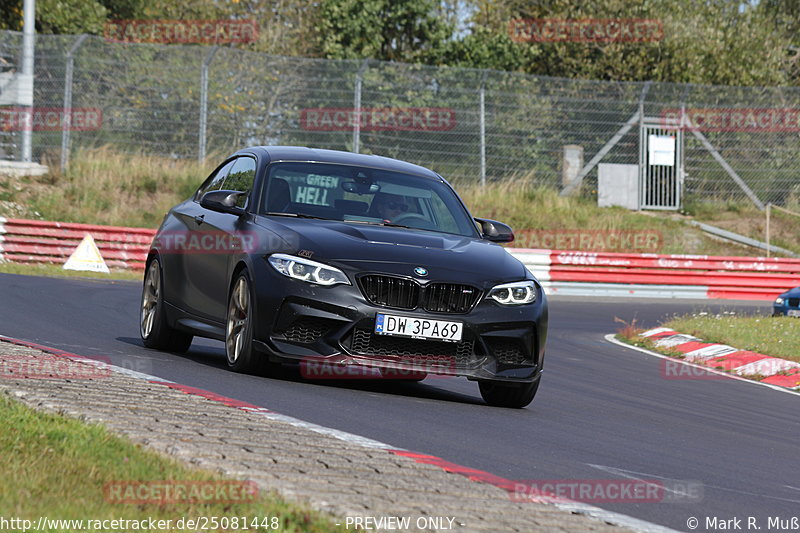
[419,271]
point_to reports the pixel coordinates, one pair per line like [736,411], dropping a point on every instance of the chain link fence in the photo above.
[187,101]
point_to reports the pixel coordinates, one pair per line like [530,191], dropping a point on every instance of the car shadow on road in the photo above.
[215,357]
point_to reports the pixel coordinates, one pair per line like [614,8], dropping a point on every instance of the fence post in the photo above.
[66,124]
[769,205]
[28,44]
[201,134]
[483,129]
[357,107]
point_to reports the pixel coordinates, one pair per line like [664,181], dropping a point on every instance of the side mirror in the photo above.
[495,231]
[223,201]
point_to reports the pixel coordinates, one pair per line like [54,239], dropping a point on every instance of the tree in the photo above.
[391,30]
[714,41]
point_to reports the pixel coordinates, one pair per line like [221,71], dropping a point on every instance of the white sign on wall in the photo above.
[661,149]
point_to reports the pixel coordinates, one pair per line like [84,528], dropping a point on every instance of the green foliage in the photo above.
[484,49]
[711,42]
[11,15]
[392,30]
[70,16]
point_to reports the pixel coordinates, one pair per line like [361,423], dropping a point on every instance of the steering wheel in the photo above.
[401,219]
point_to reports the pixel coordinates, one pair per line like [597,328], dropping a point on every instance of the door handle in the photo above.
[199,219]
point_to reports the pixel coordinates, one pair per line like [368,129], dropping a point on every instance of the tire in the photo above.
[153,327]
[502,394]
[239,327]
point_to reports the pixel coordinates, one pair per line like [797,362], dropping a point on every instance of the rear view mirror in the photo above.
[494,231]
[361,187]
[223,201]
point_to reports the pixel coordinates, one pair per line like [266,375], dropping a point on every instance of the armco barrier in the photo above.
[563,272]
[38,241]
[746,278]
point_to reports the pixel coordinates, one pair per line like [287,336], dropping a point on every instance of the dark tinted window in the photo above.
[240,178]
[214,182]
[365,195]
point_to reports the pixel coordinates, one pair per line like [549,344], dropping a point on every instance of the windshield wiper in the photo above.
[296,215]
[381,223]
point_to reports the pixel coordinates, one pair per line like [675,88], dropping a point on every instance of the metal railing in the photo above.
[186,101]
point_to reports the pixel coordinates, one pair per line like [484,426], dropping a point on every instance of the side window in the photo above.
[213,182]
[241,177]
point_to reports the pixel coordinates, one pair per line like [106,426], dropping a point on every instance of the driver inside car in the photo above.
[389,206]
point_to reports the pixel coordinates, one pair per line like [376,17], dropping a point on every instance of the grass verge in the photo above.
[58,467]
[538,214]
[777,336]
[630,333]
[747,220]
[56,271]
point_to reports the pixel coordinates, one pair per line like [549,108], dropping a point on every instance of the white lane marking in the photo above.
[341,435]
[614,518]
[138,375]
[628,475]
[631,474]
[611,338]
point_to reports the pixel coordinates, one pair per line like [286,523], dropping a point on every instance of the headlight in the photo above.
[518,293]
[307,270]
[778,301]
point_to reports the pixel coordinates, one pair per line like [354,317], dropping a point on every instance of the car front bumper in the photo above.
[298,321]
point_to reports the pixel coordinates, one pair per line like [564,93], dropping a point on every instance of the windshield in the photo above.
[364,195]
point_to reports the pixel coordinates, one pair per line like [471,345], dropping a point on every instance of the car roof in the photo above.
[318,155]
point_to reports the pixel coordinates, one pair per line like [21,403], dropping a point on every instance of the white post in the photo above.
[768,210]
[357,107]
[483,135]
[203,127]
[66,125]
[28,37]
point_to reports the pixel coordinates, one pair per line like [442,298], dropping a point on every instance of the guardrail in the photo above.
[746,278]
[561,271]
[38,241]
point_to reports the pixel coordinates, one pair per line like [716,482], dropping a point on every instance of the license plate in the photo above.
[418,328]
[793,312]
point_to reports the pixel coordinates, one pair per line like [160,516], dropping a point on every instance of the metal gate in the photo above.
[660,165]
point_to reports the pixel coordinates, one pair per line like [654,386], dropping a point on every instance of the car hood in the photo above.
[792,293]
[397,250]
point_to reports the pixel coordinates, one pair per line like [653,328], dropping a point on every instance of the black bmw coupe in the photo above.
[319,257]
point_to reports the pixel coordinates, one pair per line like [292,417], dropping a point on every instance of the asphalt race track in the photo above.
[602,412]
